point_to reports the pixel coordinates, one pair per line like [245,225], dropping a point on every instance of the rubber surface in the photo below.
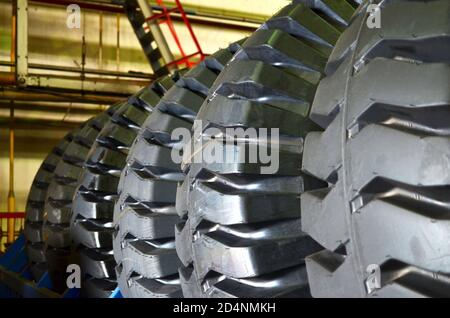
[240,231]
[58,202]
[384,105]
[34,211]
[91,223]
[145,215]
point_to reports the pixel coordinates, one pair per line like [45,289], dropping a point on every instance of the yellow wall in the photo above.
[31,146]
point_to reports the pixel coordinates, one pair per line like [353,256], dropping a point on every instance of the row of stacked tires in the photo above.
[362,188]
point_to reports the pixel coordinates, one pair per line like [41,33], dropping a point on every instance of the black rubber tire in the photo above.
[145,215]
[58,202]
[240,231]
[385,154]
[93,204]
[34,211]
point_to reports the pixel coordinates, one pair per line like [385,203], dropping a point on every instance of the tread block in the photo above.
[225,112]
[330,276]
[323,217]
[144,224]
[378,223]
[148,97]
[164,123]
[151,259]
[424,40]
[67,172]
[413,159]
[397,83]
[289,283]
[141,287]
[116,137]
[37,194]
[92,181]
[33,232]
[241,251]
[135,115]
[34,211]
[303,23]
[182,197]
[153,155]
[180,102]
[330,96]
[223,208]
[260,82]
[280,48]
[199,79]
[339,11]
[149,190]
[218,60]
[325,146]
[190,283]
[92,235]
[183,242]
[98,288]
[89,206]
[97,264]
[345,45]
[105,161]
[57,235]
[235,158]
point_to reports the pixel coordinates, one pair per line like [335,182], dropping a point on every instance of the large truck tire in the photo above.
[240,234]
[385,156]
[91,223]
[34,211]
[58,202]
[145,215]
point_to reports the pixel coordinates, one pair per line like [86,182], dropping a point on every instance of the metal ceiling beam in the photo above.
[22,42]
[86,84]
[206,16]
[56,106]
[79,84]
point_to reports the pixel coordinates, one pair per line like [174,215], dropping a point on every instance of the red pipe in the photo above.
[191,31]
[13,215]
[85,5]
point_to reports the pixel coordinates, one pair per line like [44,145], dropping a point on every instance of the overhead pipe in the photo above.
[230,19]
[54,106]
[69,69]
[25,95]
[85,5]
[39,124]
[70,117]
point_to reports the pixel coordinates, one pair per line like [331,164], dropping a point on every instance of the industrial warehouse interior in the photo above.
[255,149]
